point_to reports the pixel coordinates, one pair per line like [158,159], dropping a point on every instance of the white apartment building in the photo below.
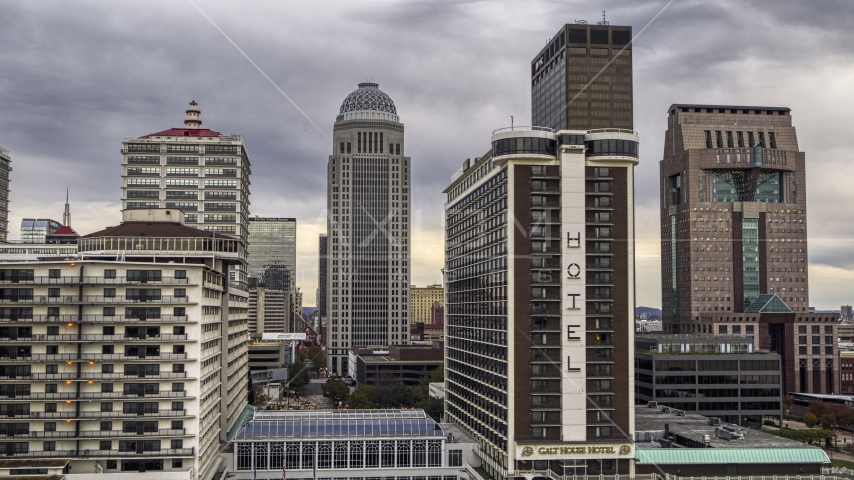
[131,358]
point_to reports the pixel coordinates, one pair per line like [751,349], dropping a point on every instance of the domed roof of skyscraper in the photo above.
[366,98]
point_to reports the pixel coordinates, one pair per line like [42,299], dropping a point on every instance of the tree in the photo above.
[360,398]
[261,398]
[298,376]
[810,420]
[316,356]
[336,387]
[434,407]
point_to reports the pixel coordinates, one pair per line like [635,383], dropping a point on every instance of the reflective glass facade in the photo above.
[37,230]
[272,243]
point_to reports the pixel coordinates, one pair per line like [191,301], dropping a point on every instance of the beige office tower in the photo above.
[368,212]
[421,302]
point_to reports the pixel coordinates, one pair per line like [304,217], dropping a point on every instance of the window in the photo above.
[106,406]
[49,446]
[708,135]
[736,329]
[49,426]
[52,349]
[816,350]
[52,369]
[109,292]
[802,350]
[106,426]
[455,458]
[177,406]
[180,292]
[176,444]
[49,407]
[828,350]
[53,292]
[53,330]
[177,424]
[105,445]
[179,311]
[539,432]
[722,329]
[107,368]
[109,330]
[748,329]
[180,274]
[179,462]
[109,273]
[106,387]
[54,273]
[828,329]
[177,348]
[107,349]
[802,340]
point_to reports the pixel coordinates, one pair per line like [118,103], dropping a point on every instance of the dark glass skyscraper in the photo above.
[582,79]
[321,274]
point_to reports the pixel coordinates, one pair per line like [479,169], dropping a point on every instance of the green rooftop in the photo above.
[246,414]
[684,456]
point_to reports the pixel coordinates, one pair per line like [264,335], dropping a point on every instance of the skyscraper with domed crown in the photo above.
[368,199]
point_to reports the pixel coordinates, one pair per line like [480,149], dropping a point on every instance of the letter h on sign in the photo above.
[573,242]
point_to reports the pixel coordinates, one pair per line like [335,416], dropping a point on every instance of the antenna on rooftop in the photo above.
[603,22]
[581,22]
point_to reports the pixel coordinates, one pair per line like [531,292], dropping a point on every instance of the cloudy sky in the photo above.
[78,77]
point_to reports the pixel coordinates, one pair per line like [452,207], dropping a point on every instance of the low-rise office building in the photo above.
[716,376]
[353,444]
[406,364]
[675,442]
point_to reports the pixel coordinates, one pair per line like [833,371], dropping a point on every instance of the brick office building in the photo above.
[734,239]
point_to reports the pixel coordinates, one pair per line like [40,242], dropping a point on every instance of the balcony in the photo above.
[96,376]
[100,434]
[70,337]
[96,319]
[96,395]
[76,299]
[92,280]
[107,454]
[85,357]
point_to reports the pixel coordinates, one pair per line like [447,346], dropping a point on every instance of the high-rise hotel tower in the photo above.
[539,267]
[368,198]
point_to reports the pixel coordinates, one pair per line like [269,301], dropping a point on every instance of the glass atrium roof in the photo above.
[344,424]
[768,303]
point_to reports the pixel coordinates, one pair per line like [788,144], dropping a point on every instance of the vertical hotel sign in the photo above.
[573,281]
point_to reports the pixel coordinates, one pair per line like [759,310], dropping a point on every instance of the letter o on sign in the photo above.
[573,270]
